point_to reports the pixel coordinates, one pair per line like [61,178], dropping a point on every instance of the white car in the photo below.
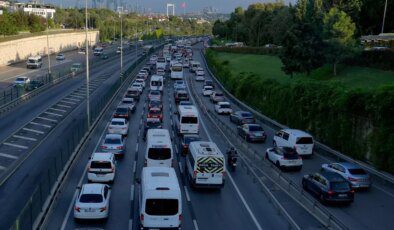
[92,202]
[118,126]
[101,168]
[284,158]
[137,86]
[60,57]
[160,72]
[223,107]
[207,90]
[21,81]
[140,81]
[144,72]
[200,72]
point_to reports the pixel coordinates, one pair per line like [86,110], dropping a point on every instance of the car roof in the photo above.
[98,156]
[113,136]
[118,119]
[348,165]
[249,125]
[297,132]
[122,106]
[191,135]
[223,103]
[332,176]
[93,188]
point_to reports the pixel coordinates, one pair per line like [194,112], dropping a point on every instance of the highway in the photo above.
[18,188]
[240,204]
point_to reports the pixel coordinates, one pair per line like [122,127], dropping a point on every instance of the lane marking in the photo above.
[130,224]
[25,138]
[54,114]
[39,124]
[68,102]
[8,156]
[75,96]
[59,110]
[134,166]
[79,94]
[47,119]
[187,193]
[15,145]
[72,99]
[64,106]
[132,193]
[33,131]
[383,190]
[180,167]
[136,148]
[195,224]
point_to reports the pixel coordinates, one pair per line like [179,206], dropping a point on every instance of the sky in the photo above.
[223,6]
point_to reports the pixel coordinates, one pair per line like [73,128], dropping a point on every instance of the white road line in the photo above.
[383,190]
[79,94]
[59,110]
[228,174]
[131,224]
[15,145]
[195,224]
[132,193]
[39,124]
[64,223]
[67,102]
[64,106]
[8,156]
[76,96]
[25,138]
[180,167]
[53,114]
[71,99]
[187,193]
[134,166]
[47,119]
[136,148]
[33,131]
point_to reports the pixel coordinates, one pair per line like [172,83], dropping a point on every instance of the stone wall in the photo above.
[20,49]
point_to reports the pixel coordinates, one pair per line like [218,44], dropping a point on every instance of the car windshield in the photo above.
[155,93]
[357,171]
[117,123]
[189,120]
[159,153]
[100,165]
[20,79]
[182,94]
[121,110]
[32,61]
[75,65]
[112,141]
[304,140]
[255,128]
[161,207]
[127,102]
[225,106]
[340,185]
[246,115]
[156,83]
[154,103]
[91,198]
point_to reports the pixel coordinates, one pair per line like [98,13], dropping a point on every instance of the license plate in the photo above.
[342,195]
[292,162]
[89,210]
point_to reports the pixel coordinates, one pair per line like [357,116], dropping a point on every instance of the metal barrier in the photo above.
[320,148]
[33,213]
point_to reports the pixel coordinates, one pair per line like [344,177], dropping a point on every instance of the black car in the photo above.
[242,117]
[185,141]
[151,123]
[122,111]
[34,84]
[328,187]
[155,104]
[252,132]
[181,95]
[133,93]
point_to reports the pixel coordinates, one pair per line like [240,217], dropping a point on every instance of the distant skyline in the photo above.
[223,6]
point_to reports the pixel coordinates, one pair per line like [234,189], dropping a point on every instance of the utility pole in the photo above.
[87,64]
[120,9]
[49,56]
[384,16]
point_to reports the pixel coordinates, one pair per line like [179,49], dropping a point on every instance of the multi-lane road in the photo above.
[241,204]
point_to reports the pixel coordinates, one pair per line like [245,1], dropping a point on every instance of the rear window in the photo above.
[91,198]
[117,123]
[154,93]
[100,165]
[340,185]
[155,83]
[290,154]
[357,171]
[189,120]
[182,94]
[225,106]
[121,110]
[161,207]
[218,95]
[246,115]
[304,140]
[112,141]
[255,128]
[159,153]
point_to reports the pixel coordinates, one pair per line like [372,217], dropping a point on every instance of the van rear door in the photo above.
[210,170]
[162,213]
[304,145]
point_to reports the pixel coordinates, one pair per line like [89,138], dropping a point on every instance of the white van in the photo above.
[101,167]
[187,120]
[177,71]
[161,63]
[160,199]
[159,148]
[194,65]
[205,165]
[301,141]
[156,83]
[34,62]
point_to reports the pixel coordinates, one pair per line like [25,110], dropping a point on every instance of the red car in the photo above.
[155,113]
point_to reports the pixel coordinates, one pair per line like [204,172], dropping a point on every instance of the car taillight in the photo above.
[224,173]
[145,163]
[352,179]
[76,208]
[112,169]
[330,193]
[124,128]
[194,173]
[119,147]
[352,191]
[142,217]
[104,147]
[103,209]
[180,217]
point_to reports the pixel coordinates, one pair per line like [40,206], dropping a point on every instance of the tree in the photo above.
[338,36]
[7,24]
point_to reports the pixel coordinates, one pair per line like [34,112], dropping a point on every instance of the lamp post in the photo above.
[384,16]
[120,9]
[49,56]
[87,64]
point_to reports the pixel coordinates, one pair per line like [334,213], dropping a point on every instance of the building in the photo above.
[4,4]
[376,42]
[43,10]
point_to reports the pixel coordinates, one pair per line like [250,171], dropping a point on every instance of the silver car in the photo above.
[115,144]
[353,173]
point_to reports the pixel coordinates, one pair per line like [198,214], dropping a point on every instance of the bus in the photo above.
[156,82]
[177,71]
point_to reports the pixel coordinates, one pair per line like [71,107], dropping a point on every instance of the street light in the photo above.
[49,56]
[87,64]
[120,10]
[384,16]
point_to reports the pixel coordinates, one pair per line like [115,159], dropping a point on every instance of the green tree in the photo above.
[338,36]
[7,23]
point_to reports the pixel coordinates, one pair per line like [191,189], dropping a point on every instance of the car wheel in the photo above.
[266,156]
[277,164]
[274,143]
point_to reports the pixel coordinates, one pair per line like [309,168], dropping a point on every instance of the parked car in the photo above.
[22,81]
[60,57]
[185,141]
[92,202]
[119,126]
[223,107]
[216,97]
[284,158]
[115,144]
[354,174]
[207,90]
[328,187]
[155,113]
[252,132]
[122,111]
[242,117]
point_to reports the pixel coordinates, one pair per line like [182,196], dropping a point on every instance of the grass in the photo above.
[269,67]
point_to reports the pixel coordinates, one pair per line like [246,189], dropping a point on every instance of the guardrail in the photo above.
[320,148]
[42,199]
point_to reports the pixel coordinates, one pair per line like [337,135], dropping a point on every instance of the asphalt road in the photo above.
[15,192]
[239,205]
